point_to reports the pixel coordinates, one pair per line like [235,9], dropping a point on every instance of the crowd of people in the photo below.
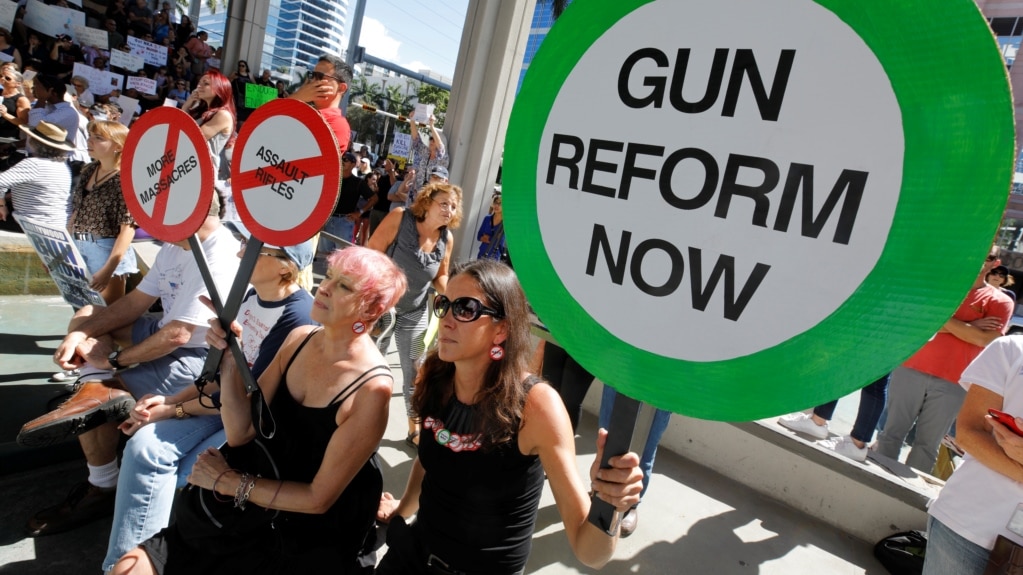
[314,358]
[473,406]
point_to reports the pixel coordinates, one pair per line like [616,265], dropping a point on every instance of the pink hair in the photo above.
[380,282]
[222,98]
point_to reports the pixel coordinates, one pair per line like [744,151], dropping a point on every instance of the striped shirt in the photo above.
[40,189]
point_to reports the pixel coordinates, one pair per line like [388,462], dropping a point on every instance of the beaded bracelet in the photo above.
[238,501]
[274,498]
[215,494]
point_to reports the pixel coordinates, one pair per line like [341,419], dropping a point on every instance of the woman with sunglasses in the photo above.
[329,389]
[1000,277]
[491,431]
[419,240]
[16,105]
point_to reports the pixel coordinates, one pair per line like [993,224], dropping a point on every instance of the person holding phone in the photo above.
[982,499]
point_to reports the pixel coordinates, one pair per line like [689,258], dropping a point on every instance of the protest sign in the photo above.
[61,258]
[126,60]
[256,95]
[401,145]
[143,85]
[152,53]
[751,244]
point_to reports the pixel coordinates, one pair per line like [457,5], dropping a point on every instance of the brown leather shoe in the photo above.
[95,403]
[629,523]
[84,503]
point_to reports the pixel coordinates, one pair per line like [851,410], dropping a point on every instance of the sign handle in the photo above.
[619,438]
[228,311]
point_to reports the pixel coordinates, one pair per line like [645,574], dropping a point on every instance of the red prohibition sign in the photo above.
[285,173]
[166,155]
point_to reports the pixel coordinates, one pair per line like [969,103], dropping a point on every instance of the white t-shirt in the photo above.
[176,280]
[977,502]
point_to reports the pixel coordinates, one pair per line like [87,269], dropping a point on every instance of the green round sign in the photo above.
[733,209]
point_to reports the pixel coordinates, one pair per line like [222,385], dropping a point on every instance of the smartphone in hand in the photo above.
[1006,420]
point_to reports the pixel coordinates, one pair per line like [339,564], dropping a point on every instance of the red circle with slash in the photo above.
[167,159]
[285,172]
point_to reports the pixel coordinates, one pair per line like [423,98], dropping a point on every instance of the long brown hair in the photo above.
[503,394]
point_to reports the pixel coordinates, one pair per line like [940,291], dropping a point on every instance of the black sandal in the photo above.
[410,440]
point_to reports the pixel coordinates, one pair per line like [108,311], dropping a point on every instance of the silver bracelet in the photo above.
[241,493]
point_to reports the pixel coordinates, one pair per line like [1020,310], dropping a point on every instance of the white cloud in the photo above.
[376,40]
[416,66]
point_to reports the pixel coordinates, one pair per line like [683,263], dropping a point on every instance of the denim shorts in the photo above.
[97,252]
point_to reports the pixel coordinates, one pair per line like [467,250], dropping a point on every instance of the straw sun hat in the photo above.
[50,134]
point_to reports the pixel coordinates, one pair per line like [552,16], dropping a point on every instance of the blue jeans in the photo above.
[872,401]
[950,554]
[148,479]
[657,427]
[339,226]
[96,253]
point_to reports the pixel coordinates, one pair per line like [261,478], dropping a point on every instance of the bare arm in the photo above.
[220,123]
[386,232]
[547,432]
[408,505]
[353,443]
[104,321]
[440,281]
[974,433]
[121,246]
[167,339]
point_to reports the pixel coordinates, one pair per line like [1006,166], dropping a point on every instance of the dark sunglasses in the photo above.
[317,76]
[465,309]
[999,273]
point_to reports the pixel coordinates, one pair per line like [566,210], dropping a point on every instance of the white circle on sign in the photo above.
[160,165]
[282,197]
[838,121]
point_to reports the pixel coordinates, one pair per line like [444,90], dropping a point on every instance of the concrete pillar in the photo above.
[486,75]
[244,33]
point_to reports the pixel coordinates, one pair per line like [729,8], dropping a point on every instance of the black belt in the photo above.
[86,236]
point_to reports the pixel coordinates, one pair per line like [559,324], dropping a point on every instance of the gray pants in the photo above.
[409,330]
[932,403]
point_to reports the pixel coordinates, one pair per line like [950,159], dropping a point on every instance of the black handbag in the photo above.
[902,553]
[215,525]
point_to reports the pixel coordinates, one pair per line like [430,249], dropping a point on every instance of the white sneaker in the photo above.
[803,423]
[66,375]
[845,447]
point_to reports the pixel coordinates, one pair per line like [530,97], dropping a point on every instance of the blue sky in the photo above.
[416,35]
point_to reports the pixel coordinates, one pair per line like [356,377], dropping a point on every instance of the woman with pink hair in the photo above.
[329,389]
[212,106]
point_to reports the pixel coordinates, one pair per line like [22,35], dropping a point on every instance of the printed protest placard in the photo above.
[685,177]
[61,258]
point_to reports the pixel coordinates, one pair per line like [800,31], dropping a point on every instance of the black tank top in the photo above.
[299,446]
[477,508]
[7,129]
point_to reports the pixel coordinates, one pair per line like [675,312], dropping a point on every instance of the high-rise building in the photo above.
[543,19]
[297,33]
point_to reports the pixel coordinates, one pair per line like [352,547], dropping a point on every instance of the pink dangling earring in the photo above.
[358,327]
[496,352]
